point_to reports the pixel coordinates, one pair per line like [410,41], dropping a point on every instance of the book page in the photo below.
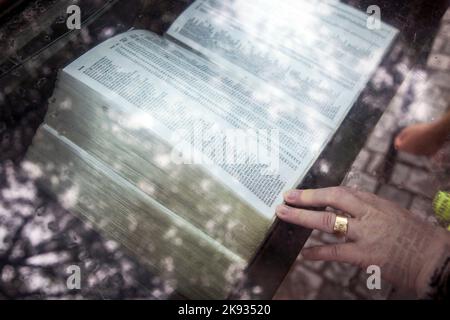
[319,55]
[252,143]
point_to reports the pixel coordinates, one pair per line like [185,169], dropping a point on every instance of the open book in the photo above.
[180,147]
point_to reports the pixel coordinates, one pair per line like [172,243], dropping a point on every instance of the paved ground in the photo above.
[409,183]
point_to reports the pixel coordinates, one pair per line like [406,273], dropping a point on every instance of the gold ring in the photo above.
[341,225]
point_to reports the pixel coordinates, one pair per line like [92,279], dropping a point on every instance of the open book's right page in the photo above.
[316,55]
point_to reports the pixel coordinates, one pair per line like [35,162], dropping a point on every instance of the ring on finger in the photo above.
[340,225]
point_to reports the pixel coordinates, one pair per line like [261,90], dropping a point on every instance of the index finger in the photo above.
[336,197]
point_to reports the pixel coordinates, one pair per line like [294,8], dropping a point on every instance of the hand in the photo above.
[421,139]
[379,233]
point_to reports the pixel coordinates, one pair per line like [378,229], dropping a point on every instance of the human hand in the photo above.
[380,233]
[421,139]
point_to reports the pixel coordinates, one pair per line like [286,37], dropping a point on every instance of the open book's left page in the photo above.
[255,146]
[106,150]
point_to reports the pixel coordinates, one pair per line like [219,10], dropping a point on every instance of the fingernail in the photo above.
[282,210]
[291,195]
[305,252]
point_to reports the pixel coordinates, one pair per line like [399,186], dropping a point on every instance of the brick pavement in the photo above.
[409,184]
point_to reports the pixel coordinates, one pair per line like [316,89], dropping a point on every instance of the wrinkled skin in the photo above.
[380,233]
